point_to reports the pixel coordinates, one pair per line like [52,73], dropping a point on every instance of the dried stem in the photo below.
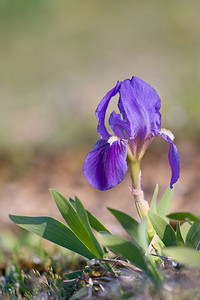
[120,263]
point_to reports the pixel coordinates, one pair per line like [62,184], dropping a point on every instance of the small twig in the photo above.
[103,278]
[121,263]
[160,256]
[101,286]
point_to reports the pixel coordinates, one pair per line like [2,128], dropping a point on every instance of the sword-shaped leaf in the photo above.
[73,220]
[165,232]
[183,255]
[94,222]
[84,217]
[193,236]
[184,216]
[154,198]
[53,231]
[128,223]
[125,248]
[179,237]
[164,205]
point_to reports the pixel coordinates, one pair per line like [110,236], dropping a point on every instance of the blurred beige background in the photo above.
[57,60]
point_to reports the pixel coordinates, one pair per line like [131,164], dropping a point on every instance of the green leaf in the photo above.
[142,235]
[163,229]
[179,238]
[184,216]
[185,227]
[53,231]
[82,213]
[125,248]
[80,293]
[164,205]
[94,222]
[193,236]
[183,255]
[128,250]
[128,223]
[72,201]
[84,217]
[73,220]
[154,198]
[76,274]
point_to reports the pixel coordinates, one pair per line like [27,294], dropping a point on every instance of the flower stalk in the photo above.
[142,207]
[135,171]
[141,204]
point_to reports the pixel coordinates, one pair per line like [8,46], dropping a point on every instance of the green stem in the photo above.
[135,171]
[138,195]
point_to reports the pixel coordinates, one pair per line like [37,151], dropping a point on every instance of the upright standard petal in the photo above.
[101,112]
[173,156]
[118,126]
[140,104]
[106,166]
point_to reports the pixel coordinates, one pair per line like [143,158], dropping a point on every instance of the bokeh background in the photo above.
[57,60]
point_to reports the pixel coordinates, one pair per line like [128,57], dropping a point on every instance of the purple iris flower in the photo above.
[137,125]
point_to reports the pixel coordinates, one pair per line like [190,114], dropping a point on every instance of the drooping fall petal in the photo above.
[106,166]
[173,157]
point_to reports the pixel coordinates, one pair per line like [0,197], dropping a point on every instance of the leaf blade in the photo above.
[125,248]
[84,217]
[163,229]
[53,231]
[193,236]
[128,223]
[183,255]
[154,198]
[143,236]
[73,220]
[179,237]
[164,205]
[185,227]
[94,222]
[184,216]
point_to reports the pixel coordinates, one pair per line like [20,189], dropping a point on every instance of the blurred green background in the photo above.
[59,58]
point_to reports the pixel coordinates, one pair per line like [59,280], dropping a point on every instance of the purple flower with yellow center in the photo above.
[137,125]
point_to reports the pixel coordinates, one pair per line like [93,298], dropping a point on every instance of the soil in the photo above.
[180,283]
[24,191]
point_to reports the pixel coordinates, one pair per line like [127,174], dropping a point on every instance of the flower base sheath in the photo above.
[134,128]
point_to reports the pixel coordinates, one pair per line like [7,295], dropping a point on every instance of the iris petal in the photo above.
[174,162]
[174,159]
[101,111]
[140,104]
[106,166]
[118,126]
